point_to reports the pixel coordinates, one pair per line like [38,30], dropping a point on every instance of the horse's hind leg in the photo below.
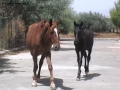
[40,65]
[48,57]
[88,60]
[34,83]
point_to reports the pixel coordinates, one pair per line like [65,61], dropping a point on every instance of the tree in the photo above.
[115,14]
[67,19]
[95,21]
[31,11]
[34,10]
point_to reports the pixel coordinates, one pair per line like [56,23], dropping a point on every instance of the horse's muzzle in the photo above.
[56,47]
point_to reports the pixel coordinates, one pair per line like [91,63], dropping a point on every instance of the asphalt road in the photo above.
[16,70]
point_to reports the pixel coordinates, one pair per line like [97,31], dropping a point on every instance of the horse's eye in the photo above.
[52,32]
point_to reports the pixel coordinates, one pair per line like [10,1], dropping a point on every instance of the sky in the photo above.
[101,6]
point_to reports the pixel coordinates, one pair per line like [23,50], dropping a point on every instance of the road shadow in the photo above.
[6,66]
[66,43]
[64,49]
[67,39]
[90,76]
[58,82]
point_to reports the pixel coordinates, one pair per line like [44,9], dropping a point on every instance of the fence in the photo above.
[11,33]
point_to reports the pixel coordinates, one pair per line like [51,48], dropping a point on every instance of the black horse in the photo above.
[83,42]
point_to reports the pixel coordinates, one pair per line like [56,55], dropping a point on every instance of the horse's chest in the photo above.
[80,46]
[43,49]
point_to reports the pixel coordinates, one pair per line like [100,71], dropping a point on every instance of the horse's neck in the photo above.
[45,42]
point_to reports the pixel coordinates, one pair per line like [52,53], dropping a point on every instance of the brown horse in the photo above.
[40,37]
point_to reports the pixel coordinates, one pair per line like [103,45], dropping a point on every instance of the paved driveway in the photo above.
[16,70]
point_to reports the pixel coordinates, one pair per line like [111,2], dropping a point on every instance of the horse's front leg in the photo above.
[48,57]
[34,83]
[88,60]
[86,63]
[40,65]
[78,61]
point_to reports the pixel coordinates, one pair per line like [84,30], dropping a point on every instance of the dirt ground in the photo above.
[96,35]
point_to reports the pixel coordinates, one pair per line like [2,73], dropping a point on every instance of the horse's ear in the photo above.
[43,23]
[74,23]
[50,22]
[58,22]
[81,24]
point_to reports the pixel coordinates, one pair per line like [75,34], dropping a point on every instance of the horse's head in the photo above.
[57,32]
[77,32]
[53,33]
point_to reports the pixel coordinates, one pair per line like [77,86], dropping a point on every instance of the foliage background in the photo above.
[17,15]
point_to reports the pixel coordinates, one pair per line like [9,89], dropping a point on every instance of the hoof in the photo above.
[52,86]
[38,76]
[38,80]
[77,79]
[34,83]
[86,73]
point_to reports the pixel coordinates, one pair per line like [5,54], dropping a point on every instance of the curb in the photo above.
[71,39]
[12,50]
[107,38]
